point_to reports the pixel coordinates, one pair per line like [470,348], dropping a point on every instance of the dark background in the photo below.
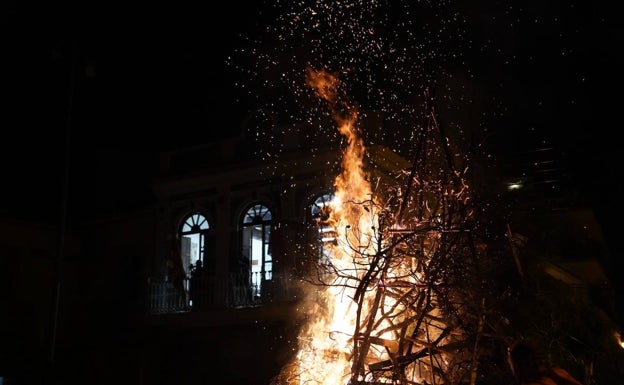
[117,82]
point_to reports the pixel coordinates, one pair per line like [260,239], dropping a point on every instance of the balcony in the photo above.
[212,292]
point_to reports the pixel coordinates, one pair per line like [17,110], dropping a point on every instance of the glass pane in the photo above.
[320,205]
[195,222]
[256,229]
[319,211]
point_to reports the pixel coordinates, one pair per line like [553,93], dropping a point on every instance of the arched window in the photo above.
[319,214]
[192,235]
[256,232]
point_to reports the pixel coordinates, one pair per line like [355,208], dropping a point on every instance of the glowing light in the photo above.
[619,340]
[373,303]
[363,304]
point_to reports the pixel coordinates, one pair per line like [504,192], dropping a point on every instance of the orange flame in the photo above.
[350,324]
[326,354]
[325,358]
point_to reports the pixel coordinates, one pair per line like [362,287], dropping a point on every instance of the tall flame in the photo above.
[371,319]
[326,354]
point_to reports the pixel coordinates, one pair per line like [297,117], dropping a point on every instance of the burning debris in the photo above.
[386,301]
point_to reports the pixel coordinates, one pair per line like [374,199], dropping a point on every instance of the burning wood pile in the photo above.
[388,300]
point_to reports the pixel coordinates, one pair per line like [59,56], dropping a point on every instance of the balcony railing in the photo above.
[217,292]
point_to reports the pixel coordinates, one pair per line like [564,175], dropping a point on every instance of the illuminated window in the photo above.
[256,233]
[192,235]
[319,213]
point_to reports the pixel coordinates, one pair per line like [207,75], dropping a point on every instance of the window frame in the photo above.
[321,203]
[255,222]
[199,227]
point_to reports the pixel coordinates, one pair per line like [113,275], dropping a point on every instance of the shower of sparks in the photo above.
[384,57]
[362,312]
[386,54]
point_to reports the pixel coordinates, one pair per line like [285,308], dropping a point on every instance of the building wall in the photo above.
[28,255]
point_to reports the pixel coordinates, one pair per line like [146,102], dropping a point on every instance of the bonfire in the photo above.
[382,304]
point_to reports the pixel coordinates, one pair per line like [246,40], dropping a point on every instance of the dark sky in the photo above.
[152,76]
[140,68]
[146,77]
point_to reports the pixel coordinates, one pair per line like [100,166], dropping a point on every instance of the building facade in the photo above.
[202,286]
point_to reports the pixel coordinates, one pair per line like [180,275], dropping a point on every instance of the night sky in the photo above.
[150,77]
[146,78]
